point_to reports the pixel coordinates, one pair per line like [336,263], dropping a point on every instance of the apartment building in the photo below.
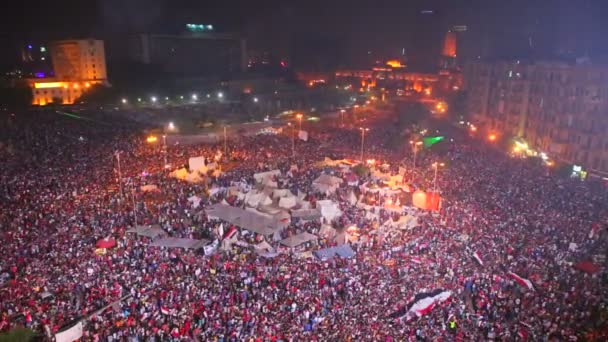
[558,108]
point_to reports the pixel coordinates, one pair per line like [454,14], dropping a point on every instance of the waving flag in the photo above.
[477,258]
[164,310]
[422,304]
[522,281]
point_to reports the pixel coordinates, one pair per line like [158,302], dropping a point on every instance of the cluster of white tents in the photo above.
[197,170]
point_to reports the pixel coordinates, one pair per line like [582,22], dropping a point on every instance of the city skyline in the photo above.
[358,31]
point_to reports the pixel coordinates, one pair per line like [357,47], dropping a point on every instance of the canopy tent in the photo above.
[298,239]
[152,231]
[263,247]
[252,220]
[261,176]
[343,251]
[179,243]
[327,231]
[326,184]
[106,243]
[196,163]
[329,209]
[256,198]
[406,222]
[306,214]
[338,162]
[287,202]
[184,175]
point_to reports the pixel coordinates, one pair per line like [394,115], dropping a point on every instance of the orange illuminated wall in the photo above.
[449,45]
[58,92]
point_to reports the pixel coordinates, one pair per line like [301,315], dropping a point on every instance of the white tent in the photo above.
[298,239]
[307,214]
[179,243]
[329,209]
[196,163]
[261,176]
[250,219]
[152,231]
[326,184]
[303,135]
[287,202]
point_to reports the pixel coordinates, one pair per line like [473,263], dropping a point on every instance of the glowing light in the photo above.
[181,97]
[255,99]
[492,137]
[151,139]
[393,63]
[194,97]
[87,84]
[139,99]
[153,98]
[171,125]
[220,95]
[76,86]
[48,85]
[473,128]
[124,101]
[42,49]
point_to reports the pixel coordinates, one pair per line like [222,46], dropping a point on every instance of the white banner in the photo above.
[71,334]
[303,135]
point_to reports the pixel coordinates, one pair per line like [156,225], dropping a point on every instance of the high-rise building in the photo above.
[191,54]
[449,45]
[557,108]
[79,60]
[77,65]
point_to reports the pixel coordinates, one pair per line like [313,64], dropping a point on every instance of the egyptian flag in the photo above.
[422,304]
[231,232]
[477,258]
[522,281]
[164,310]
[416,260]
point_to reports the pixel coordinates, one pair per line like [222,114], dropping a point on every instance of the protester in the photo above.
[501,244]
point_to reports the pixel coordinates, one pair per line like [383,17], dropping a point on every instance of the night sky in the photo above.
[354,27]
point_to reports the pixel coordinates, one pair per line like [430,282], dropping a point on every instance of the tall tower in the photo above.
[448,52]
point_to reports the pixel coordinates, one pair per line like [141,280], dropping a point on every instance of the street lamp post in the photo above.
[225,142]
[299,116]
[165,151]
[342,117]
[415,144]
[436,166]
[134,207]
[117,154]
[363,130]
[293,140]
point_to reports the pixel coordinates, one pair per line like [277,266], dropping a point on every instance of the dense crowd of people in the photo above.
[60,193]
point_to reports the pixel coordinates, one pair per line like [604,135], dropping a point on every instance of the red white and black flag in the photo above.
[522,281]
[422,304]
[477,258]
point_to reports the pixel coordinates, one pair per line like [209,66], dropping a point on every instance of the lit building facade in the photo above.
[77,65]
[79,60]
[557,108]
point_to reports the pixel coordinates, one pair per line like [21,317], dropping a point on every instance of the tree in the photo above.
[17,335]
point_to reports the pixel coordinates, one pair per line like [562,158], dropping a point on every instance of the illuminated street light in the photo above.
[363,130]
[220,95]
[151,139]
[194,97]
[436,166]
[255,99]
[293,140]
[153,98]
[139,99]
[166,98]
[299,116]
[492,137]
[342,111]
[208,95]
[124,101]
[181,97]
[415,145]
[171,126]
